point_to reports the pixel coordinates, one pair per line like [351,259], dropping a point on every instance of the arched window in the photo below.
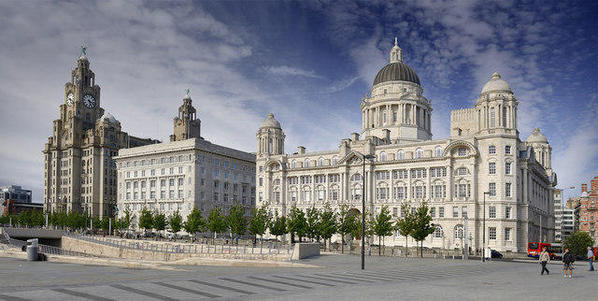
[293,194]
[438,151]
[438,232]
[320,193]
[356,192]
[356,177]
[321,162]
[382,156]
[306,164]
[294,164]
[400,155]
[419,153]
[462,151]
[459,231]
[306,194]
[335,160]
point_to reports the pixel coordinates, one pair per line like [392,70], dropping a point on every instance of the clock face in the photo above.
[70,99]
[89,101]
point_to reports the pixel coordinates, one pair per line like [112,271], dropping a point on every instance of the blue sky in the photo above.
[308,62]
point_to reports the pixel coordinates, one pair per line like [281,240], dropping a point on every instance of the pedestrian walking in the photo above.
[544,259]
[568,260]
[590,256]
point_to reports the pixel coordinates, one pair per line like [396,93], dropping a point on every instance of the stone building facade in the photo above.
[185,173]
[588,209]
[484,158]
[79,170]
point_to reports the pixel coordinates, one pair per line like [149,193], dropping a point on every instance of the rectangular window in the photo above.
[492,189]
[464,211]
[507,150]
[163,194]
[507,168]
[395,211]
[440,211]
[508,189]
[181,181]
[462,190]
[455,211]
[492,233]
[261,181]
[171,194]
[508,212]
[171,182]
[152,195]
[492,212]
[433,211]
[507,233]
[492,168]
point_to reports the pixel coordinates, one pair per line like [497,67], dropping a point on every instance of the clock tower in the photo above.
[79,172]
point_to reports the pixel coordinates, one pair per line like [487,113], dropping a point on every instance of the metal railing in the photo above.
[204,247]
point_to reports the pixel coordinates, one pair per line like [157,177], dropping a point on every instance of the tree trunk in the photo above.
[379,245]
[342,244]
[406,247]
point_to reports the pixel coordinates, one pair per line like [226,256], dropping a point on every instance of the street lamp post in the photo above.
[484,229]
[364,157]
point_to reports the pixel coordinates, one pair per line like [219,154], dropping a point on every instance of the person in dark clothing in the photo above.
[544,259]
[568,260]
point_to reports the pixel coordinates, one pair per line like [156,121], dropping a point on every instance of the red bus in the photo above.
[535,248]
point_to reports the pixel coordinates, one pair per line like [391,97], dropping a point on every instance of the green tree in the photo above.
[175,221]
[313,222]
[159,221]
[327,225]
[259,222]
[125,221]
[382,226]
[146,219]
[236,220]
[216,222]
[422,226]
[279,226]
[296,224]
[348,223]
[405,224]
[578,243]
[194,222]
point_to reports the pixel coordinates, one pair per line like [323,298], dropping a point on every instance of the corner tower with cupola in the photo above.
[395,109]
[79,173]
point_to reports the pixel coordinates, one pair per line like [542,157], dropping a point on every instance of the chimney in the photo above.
[584,188]
[355,136]
[387,135]
[301,150]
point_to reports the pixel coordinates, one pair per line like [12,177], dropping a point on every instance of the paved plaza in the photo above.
[337,277]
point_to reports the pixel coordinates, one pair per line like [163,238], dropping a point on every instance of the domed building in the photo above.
[482,177]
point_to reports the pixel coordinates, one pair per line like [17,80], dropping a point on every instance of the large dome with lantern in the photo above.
[396,70]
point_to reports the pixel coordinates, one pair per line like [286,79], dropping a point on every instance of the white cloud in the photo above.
[291,71]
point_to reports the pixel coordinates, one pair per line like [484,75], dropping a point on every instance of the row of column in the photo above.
[406,114]
[498,115]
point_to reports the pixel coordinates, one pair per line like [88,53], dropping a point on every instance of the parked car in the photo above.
[495,254]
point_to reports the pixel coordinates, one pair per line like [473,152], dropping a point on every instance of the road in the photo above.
[337,278]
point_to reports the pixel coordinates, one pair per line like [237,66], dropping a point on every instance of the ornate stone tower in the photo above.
[270,137]
[395,108]
[497,107]
[186,124]
[79,172]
